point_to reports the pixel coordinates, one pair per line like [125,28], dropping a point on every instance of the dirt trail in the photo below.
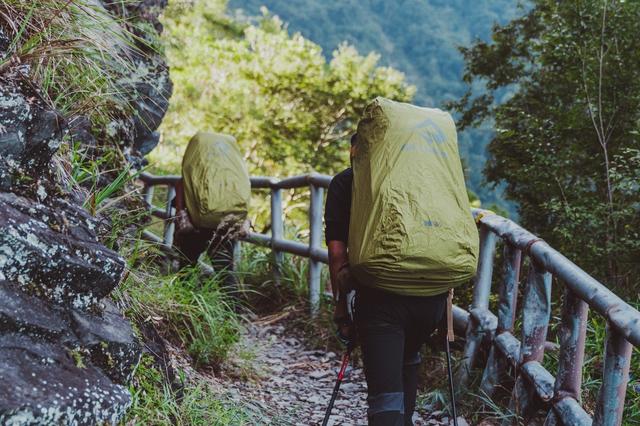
[296,382]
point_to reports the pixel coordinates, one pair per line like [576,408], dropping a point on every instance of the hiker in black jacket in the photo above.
[391,328]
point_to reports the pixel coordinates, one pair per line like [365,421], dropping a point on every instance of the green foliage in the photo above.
[291,296]
[567,139]
[417,37]
[156,403]
[105,191]
[100,195]
[196,314]
[289,108]
[193,310]
[257,286]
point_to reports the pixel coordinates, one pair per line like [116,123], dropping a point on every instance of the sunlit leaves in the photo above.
[290,109]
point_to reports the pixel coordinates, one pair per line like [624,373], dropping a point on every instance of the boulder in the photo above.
[29,315]
[110,341]
[153,90]
[53,385]
[30,132]
[66,352]
[64,365]
[150,83]
[53,252]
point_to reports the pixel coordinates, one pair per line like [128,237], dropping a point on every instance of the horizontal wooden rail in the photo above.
[535,387]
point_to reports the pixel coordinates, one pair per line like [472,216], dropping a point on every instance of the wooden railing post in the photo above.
[482,288]
[277,233]
[169,224]
[508,294]
[315,236]
[617,359]
[536,311]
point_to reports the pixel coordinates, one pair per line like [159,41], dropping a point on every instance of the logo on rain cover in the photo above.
[432,136]
[431,224]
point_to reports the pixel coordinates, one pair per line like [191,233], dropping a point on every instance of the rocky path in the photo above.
[295,383]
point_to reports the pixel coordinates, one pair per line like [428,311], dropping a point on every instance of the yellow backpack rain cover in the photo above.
[411,230]
[216,180]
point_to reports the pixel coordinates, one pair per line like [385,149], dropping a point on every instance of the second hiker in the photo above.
[211,201]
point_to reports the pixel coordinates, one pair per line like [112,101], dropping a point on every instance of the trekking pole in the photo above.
[449,338]
[336,388]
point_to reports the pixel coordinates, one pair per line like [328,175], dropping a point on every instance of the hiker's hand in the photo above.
[344,280]
[345,329]
[345,334]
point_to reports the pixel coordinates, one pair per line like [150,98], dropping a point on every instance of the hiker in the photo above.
[399,231]
[211,202]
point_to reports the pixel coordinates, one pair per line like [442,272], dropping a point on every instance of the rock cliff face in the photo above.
[66,352]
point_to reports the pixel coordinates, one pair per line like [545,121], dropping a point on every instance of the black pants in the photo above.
[392,329]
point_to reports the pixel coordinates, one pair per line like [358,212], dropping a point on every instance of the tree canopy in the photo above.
[290,109]
[567,142]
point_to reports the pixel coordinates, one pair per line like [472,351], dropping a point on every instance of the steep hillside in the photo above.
[418,37]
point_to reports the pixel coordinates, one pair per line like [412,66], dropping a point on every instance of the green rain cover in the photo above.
[411,229]
[216,180]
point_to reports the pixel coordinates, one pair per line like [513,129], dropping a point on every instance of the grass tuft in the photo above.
[191,310]
[74,50]
[156,403]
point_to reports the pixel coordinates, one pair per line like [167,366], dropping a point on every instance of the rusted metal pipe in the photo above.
[482,283]
[495,370]
[169,224]
[277,233]
[536,311]
[481,291]
[572,333]
[148,195]
[159,180]
[622,316]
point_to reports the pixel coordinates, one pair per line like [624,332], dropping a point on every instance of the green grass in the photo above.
[156,403]
[198,315]
[260,292]
[75,50]
[190,309]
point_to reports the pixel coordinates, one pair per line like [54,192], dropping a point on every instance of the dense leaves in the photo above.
[567,142]
[289,108]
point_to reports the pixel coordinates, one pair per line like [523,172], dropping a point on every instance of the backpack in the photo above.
[216,180]
[411,229]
